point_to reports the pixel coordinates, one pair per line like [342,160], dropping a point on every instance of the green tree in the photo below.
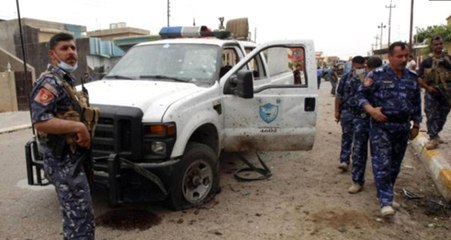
[427,33]
[424,35]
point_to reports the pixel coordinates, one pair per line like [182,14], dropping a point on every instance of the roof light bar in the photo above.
[191,32]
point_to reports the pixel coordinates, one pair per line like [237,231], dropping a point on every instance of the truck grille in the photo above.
[119,130]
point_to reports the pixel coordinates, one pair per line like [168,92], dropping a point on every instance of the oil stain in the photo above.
[128,219]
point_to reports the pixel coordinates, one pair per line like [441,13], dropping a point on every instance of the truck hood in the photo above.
[152,97]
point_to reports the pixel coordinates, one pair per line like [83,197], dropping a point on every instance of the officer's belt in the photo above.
[398,118]
[358,112]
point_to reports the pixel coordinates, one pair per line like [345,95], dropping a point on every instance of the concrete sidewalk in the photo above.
[437,161]
[13,121]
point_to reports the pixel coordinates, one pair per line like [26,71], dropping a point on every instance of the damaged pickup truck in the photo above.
[169,108]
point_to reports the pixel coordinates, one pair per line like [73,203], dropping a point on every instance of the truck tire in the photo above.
[196,179]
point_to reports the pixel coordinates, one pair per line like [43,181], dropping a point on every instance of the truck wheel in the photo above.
[196,179]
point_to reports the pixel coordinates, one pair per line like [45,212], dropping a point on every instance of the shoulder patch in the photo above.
[44,96]
[51,88]
[368,82]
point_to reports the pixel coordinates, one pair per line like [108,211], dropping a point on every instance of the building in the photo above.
[117,30]
[96,54]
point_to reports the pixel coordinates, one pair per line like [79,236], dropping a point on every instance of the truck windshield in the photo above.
[168,62]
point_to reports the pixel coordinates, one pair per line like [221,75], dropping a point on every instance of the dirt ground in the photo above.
[306,198]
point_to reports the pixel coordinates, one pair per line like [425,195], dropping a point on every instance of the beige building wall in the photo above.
[8,98]
[111,34]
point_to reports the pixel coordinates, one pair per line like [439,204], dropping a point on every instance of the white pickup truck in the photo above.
[170,107]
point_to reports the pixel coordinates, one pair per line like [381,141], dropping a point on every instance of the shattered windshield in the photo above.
[168,62]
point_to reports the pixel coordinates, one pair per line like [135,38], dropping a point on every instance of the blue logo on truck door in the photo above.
[268,112]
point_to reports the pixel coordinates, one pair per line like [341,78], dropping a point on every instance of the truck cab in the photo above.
[169,108]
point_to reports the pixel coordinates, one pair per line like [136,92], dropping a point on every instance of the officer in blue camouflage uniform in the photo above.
[63,161]
[361,129]
[436,99]
[345,106]
[391,95]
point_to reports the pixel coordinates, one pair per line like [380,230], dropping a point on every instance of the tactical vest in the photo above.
[440,76]
[79,110]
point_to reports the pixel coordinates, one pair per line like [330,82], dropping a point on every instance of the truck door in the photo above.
[278,113]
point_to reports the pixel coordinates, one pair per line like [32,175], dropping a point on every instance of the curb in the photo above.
[15,128]
[439,168]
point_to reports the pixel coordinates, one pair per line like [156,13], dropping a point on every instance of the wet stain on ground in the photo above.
[338,218]
[128,219]
[436,208]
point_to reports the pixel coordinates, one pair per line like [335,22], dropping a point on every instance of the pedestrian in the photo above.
[297,74]
[319,75]
[57,111]
[391,95]
[411,64]
[332,76]
[361,128]
[345,104]
[435,78]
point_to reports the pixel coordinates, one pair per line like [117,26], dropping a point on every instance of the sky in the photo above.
[342,28]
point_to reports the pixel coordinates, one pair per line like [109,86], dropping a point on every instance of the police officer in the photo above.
[361,124]
[345,104]
[437,104]
[391,95]
[64,139]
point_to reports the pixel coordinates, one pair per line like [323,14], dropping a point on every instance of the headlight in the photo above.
[158,147]
[158,139]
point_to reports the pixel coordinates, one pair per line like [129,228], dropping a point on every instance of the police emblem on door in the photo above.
[268,112]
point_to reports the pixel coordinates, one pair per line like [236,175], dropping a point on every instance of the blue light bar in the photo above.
[171,32]
[191,32]
[177,32]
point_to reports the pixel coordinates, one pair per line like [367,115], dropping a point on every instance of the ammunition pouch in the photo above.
[73,116]
[91,117]
[440,77]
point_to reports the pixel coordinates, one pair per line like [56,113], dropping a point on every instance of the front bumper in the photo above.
[122,179]
[127,181]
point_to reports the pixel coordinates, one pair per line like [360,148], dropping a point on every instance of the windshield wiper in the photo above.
[162,77]
[117,77]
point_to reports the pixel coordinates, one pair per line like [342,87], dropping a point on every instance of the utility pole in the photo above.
[375,44]
[389,20]
[169,11]
[22,43]
[382,26]
[411,24]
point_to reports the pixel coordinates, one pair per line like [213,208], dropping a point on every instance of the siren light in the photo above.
[191,32]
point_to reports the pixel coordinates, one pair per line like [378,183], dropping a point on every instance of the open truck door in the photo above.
[265,108]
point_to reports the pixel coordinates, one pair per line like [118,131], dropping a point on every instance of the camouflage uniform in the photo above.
[62,164]
[358,125]
[437,106]
[401,102]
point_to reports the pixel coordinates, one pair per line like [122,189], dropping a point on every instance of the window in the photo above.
[229,59]
[286,65]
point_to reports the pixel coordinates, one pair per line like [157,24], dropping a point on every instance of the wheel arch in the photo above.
[208,135]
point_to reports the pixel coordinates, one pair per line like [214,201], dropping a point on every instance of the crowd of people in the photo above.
[380,105]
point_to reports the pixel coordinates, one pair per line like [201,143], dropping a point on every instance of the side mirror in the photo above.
[240,84]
